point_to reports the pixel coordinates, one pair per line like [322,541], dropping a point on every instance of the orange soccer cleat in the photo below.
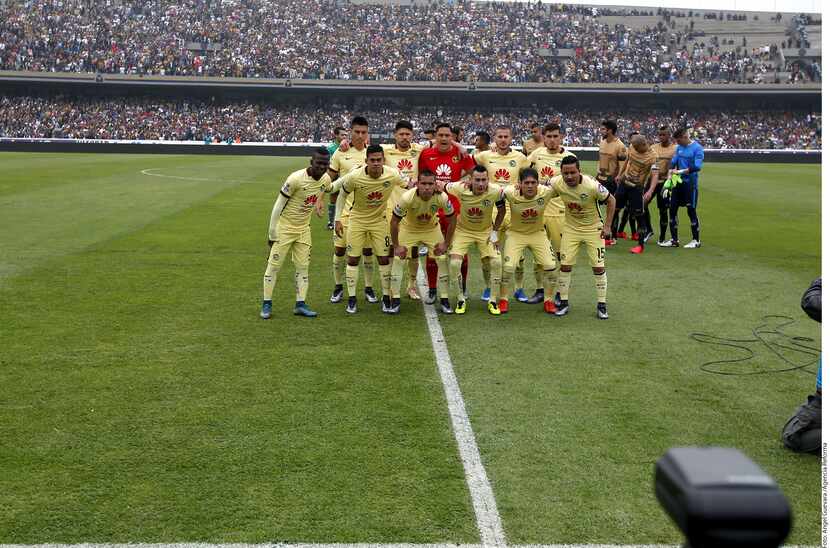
[637,249]
[550,308]
[504,306]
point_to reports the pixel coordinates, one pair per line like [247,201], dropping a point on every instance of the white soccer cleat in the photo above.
[668,243]
[694,244]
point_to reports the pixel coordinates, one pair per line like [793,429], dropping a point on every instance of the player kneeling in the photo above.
[289,230]
[415,223]
[528,202]
[584,224]
[475,228]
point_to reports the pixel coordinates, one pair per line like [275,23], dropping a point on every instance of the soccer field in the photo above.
[143,400]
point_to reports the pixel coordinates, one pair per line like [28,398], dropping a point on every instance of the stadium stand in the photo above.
[329,39]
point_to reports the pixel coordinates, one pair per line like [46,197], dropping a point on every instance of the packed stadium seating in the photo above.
[252,121]
[505,42]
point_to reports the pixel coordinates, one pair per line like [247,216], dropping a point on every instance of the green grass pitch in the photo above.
[143,400]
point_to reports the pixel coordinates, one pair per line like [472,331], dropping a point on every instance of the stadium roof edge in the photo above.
[398,86]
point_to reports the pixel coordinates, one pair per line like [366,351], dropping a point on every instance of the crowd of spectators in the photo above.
[250,121]
[333,39]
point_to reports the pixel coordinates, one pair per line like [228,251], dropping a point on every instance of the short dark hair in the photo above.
[426,172]
[663,128]
[503,127]
[429,130]
[484,135]
[373,149]
[610,125]
[338,129]
[678,133]
[568,160]
[360,121]
[528,172]
[633,133]
[439,125]
[404,124]
[321,151]
[534,124]
[553,126]
[479,169]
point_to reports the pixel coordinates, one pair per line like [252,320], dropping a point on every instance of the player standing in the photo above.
[475,228]
[415,223]
[632,194]
[535,140]
[583,225]
[339,134]
[687,162]
[611,152]
[482,141]
[289,230]
[370,187]
[664,149]
[547,160]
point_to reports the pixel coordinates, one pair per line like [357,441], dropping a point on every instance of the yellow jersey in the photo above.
[664,156]
[476,211]
[610,155]
[503,169]
[582,202]
[419,215]
[369,194]
[527,214]
[405,161]
[344,163]
[549,166]
[301,190]
[532,144]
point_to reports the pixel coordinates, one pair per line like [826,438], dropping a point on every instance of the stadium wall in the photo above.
[304,149]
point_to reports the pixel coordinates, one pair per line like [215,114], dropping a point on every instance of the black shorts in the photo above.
[684,195]
[630,197]
[662,203]
[608,183]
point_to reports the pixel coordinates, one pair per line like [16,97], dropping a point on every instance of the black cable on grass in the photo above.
[793,344]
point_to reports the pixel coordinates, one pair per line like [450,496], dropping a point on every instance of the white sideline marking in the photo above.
[484,502]
[148,173]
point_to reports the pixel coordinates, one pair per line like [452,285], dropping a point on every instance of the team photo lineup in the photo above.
[394,203]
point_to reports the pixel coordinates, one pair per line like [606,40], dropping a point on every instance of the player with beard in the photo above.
[536,139]
[611,155]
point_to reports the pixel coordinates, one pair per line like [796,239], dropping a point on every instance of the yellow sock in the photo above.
[269,280]
[495,278]
[443,277]
[564,284]
[548,283]
[301,282]
[506,281]
[455,277]
[519,274]
[412,264]
[539,274]
[486,273]
[395,277]
[339,269]
[351,280]
[602,286]
[385,278]
[369,270]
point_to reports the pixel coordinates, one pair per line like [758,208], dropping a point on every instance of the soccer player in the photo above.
[547,161]
[527,202]
[687,162]
[535,140]
[339,135]
[457,133]
[403,155]
[290,232]
[475,228]
[611,153]
[637,185]
[584,224]
[503,166]
[482,141]
[415,223]
[428,139]
[664,149]
[342,162]
[449,162]
[369,187]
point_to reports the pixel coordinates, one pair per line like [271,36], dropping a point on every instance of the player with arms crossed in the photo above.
[527,202]
[370,187]
[664,149]
[612,153]
[290,232]
[342,162]
[637,184]
[403,155]
[475,228]
[583,225]
[547,161]
[415,223]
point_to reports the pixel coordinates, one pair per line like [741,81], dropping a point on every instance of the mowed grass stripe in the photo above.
[144,401]
[570,414]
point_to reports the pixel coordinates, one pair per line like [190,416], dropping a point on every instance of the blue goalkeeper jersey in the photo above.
[691,157]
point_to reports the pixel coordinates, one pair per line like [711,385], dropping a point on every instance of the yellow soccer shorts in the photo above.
[505,224]
[428,238]
[594,246]
[298,244]
[554,224]
[538,244]
[342,241]
[463,240]
[361,236]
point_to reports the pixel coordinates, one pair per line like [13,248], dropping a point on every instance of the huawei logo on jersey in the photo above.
[475,212]
[424,217]
[375,196]
[502,174]
[548,172]
[530,214]
[311,200]
[443,171]
[405,165]
[573,206]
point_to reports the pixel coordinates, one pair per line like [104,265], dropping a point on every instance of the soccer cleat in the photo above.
[445,306]
[562,309]
[602,311]
[621,235]
[549,307]
[461,307]
[485,295]
[337,294]
[649,235]
[302,309]
[330,226]
[370,295]
[537,297]
[668,243]
[386,304]
[423,250]
[351,307]
[694,244]
[431,295]
[412,293]
[520,296]
[394,307]
[493,308]
[504,306]
[556,300]
[611,242]
[637,249]
[265,313]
